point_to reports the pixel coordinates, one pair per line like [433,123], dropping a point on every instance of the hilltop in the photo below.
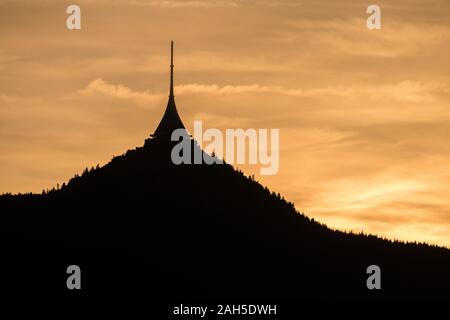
[142,226]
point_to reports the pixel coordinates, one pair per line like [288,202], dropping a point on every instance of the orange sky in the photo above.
[363,115]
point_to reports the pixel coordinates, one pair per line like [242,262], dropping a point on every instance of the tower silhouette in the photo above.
[170,120]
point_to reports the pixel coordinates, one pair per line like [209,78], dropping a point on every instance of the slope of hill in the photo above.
[143,227]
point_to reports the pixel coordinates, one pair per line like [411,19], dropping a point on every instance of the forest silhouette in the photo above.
[141,226]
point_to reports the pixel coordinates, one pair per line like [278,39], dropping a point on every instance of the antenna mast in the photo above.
[171,69]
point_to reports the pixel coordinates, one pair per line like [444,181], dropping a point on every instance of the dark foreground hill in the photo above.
[143,227]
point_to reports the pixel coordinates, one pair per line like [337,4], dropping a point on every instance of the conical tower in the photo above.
[171,120]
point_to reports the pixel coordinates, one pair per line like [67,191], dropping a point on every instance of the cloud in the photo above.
[184,3]
[4,98]
[350,37]
[409,91]
[118,91]
[7,58]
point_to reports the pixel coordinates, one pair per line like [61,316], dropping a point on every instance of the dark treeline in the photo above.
[143,227]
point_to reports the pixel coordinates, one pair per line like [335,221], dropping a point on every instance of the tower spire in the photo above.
[171,69]
[170,120]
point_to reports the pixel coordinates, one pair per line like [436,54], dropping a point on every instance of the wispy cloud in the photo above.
[409,91]
[184,3]
[117,91]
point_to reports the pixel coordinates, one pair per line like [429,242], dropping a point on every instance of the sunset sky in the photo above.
[363,114]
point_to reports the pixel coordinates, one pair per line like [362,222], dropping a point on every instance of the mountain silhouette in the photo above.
[141,226]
